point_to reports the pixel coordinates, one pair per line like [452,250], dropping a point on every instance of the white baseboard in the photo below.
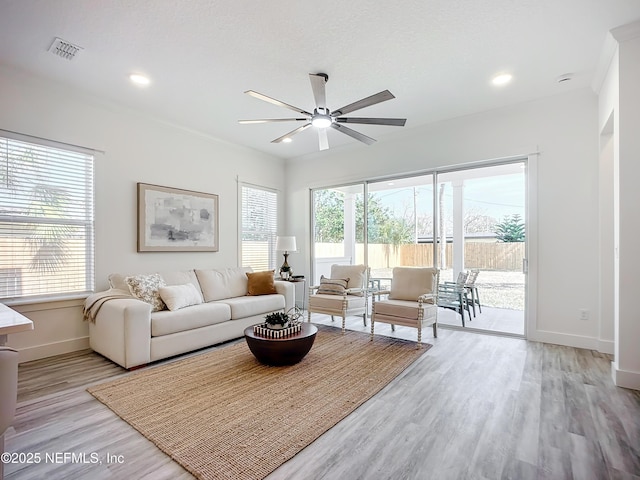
[625,378]
[577,341]
[50,349]
[565,339]
[606,346]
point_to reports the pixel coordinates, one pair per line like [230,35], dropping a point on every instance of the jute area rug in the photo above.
[223,415]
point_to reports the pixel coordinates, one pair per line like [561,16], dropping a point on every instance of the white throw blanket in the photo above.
[94,302]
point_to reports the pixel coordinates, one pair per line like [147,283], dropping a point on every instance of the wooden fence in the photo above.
[482,255]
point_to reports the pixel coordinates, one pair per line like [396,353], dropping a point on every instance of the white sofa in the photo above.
[126,330]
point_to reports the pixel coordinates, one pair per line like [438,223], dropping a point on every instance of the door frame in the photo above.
[531,224]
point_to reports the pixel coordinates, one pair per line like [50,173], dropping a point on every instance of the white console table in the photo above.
[12,322]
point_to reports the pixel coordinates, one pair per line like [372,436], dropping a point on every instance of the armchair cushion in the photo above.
[261,283]
[356,275]
[403,309]
[409,283]
[333,286]
[334,302]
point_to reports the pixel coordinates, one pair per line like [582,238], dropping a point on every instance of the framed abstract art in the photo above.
[175,220]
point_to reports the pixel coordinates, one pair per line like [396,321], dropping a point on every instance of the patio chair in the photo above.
[343,294]
[412,300]
[472,290]
[453,296]
[8,392]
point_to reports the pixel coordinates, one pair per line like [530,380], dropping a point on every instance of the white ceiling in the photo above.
[435,56]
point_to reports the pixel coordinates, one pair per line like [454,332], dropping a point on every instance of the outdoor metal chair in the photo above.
[472,290]
[453,296]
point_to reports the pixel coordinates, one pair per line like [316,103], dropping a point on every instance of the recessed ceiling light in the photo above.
[139,79]
[287,140]
[564,78]
[502,79]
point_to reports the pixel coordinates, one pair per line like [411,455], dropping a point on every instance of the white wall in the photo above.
[137,149]
[626,366]
[564,129]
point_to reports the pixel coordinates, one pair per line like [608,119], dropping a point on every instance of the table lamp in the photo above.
[286,245]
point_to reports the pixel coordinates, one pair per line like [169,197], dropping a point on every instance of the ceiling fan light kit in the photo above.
[322,118]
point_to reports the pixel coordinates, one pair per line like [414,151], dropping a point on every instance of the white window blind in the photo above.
[259,227]
[46,220]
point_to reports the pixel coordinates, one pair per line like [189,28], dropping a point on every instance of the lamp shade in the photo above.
[286,244]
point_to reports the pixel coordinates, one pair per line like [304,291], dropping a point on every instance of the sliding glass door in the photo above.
[399,225]
[338,228]
[482,228]
[468,220]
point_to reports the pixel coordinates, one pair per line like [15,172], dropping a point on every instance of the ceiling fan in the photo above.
[322,117]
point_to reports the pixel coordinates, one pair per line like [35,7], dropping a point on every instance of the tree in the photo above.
[382,225]
[477,221]
[379,229]
[510,229]
[329,216]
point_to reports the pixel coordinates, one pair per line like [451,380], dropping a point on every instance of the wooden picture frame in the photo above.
[176,220]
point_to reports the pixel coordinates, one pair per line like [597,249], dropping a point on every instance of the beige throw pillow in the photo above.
[180,296]
[333,286]
[146,288]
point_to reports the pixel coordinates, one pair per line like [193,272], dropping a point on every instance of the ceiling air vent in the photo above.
[64,49]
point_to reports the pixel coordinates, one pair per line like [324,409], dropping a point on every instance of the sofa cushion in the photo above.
[223,283]
[180,296]
[147,289]
[118,281]
[261,283]
[248,306]
[196,316]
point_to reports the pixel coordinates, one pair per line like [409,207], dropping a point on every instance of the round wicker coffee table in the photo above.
[281,351]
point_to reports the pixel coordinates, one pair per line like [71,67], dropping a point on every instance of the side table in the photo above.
[298,281]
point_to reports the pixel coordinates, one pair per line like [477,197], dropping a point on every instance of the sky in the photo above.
[496,196]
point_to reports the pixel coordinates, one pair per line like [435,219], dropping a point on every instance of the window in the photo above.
[259,225]
[46,220]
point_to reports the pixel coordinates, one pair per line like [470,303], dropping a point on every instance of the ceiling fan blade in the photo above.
[396,122]
[272,120]
[352,133]
[318,82]
[365,102]
[260,96]
[323,139]
[291,133]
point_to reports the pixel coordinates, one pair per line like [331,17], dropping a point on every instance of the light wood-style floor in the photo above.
[473,407]
[500,320]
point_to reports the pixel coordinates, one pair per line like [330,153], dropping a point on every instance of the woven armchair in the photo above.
[412,300]
[352,301]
